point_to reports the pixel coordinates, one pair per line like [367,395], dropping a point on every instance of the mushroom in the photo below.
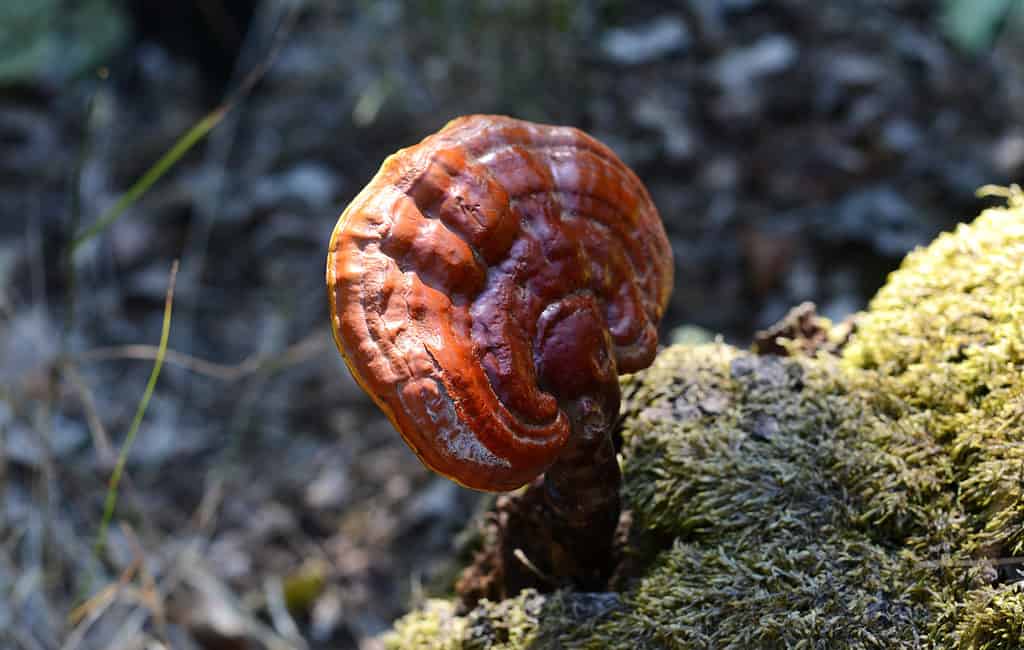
[486,289]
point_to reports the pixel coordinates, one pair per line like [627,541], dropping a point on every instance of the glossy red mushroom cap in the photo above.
[486,278]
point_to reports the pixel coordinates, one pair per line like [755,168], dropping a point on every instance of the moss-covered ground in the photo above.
[869,500]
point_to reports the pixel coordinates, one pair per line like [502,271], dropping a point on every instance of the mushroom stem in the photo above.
[486,288]
[581,489]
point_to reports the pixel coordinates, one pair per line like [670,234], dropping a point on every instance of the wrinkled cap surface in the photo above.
[486,278]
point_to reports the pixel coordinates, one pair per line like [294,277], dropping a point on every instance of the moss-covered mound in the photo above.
[868,501]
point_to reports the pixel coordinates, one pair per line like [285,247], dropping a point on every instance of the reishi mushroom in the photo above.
[486,289]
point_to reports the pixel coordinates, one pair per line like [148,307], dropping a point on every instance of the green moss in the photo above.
[435,627]
[741,460]
[995,619]
[530,620]
[868,501]
[945,338]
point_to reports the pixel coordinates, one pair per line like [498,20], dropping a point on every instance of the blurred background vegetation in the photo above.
[796,151]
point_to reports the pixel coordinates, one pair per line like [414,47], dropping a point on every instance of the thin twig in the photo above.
[521,556]
[100,439]
[204,514]
[307,348]
[966,564]
[70,276]
[1013,194]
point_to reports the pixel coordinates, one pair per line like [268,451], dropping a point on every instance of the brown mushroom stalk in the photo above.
[581,489]
[486,289]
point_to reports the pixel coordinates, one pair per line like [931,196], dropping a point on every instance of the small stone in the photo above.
[229,555]
[646,43]
[770,55]
[765,428]
[714,403]
[742,367]
[665,117]
[853,69]
[771,372]
[329,489]
[684,411]
[1008,152]
[26,446]
[901,135]
[327,615]
[690,335]
[655,413]
[315,184]
[435,502]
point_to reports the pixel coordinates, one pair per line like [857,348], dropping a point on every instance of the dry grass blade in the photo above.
[152,175]
[90,611]
[185,143]
[149,594]
[140,412]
